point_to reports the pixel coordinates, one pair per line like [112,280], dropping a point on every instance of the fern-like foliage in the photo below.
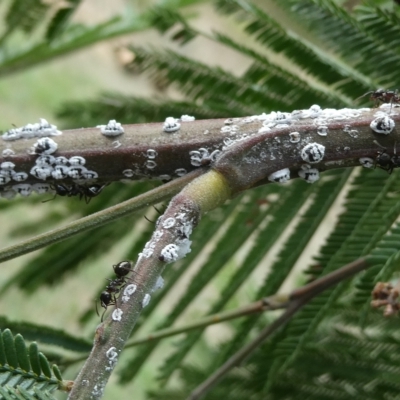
[25,370]
[335,347]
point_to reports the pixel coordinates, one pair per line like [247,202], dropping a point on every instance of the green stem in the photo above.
[100,218]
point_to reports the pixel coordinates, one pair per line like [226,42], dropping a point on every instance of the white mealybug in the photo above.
[45,146]
[89,175]
[159,284]
[12,134]
[60,160]
[128,173]
[180,171]
[20,176]
[367,162]
[76,160]
[168,223]
[111,354]
[294,137]
[8,153]
[195,158]
[113,128]
[280,176]
[41,172]
[322,130]
[171,125]
[29,131]
[4,179]
[187,118]
[151,154]
[76,172]
[169,253]
[41,188]
[128,292]
[311,175]
[7,172]
[60,172]
[313,153]
[146,300]
[383,125]
[46,161]
[150,164]
[8,194]
[24,189]
[46,129]
[8,165]
[117,314]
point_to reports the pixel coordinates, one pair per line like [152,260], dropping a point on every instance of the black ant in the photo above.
[108,296]
[385,161]
[380,96]
[86,192]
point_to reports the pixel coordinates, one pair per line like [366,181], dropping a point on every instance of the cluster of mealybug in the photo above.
[48,166]
[109,296]
[41,129]
[113,128]
[203,157]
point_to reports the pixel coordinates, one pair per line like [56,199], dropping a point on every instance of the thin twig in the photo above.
[298,299]
[100,218]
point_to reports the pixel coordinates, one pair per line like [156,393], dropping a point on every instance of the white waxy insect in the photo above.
[41,172]
[383,125]
[20,176]
[60,160]
[46,129]
[294,137]
[187,118]
[117,314]
[180,171]
[169,253]
[128,173]
[12,134]
[29,131]
[195,158]
[310,175]
[8,153]
[171,125]
[281,176]
[113,128]
[159,284]
[24,189]
[60,172]
[8,194]
[90,175]
[76,172]
[7,165]
[322,130]
[41,188]
[46,161]
[146,300]
[367,162]
[313,153]
[45,146]
[4,179]
[150,164]
[169,223]
[150,153]
[76,160]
